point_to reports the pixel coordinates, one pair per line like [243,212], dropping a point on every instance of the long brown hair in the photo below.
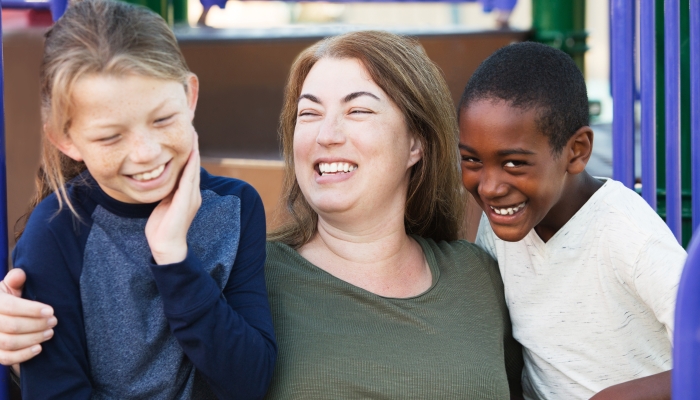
[95,37]
[398,65]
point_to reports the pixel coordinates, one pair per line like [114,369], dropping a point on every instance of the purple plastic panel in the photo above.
[647,61]
[622,60]
[4,374]
[695,105]
[672,65]
[686,337]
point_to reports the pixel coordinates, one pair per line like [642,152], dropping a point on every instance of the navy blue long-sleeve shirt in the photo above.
[128,328]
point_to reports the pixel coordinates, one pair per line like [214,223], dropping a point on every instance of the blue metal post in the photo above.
[647,57]
[672,65]
[686,341]
[622,55]
[695,105]
[4,375]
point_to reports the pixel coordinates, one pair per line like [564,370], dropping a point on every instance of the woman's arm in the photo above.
[654,387]
[24,324]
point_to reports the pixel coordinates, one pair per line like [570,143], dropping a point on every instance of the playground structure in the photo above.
[238,134]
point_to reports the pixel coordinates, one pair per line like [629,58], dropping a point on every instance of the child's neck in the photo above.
[576,193]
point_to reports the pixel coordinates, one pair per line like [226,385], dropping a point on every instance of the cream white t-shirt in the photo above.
[594,305]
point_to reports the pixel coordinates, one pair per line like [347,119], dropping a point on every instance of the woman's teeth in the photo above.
[509,210]
[147,176]
[332,168]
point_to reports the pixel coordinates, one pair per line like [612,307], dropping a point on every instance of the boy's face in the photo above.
[508,166]
[134,133]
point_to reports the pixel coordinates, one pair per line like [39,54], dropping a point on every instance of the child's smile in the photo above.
[134,133]
[509,168]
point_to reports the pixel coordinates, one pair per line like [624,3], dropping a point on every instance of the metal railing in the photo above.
[622,30]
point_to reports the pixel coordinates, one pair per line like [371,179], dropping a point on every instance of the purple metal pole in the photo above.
[672,64]
[622,57]
[647,57]
[686,341]
[4,375]
[695,105]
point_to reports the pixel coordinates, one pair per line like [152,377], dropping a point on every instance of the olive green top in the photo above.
[338,341]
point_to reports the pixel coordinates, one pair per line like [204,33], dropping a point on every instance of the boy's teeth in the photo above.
[508,210]
[147,176]
[331,168]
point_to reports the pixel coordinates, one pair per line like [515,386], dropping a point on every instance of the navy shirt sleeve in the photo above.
[228,336]
[49,252]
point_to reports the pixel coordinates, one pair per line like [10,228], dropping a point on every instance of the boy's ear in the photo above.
[579,149]
[64,143]
[192,92]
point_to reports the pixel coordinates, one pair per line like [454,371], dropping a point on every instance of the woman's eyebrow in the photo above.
[310,97]
[355,95]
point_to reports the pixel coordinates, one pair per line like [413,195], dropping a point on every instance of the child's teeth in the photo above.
[147,176]
[509,210]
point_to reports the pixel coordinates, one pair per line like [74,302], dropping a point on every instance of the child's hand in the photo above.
[166,229]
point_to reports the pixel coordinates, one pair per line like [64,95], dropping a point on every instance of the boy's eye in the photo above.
[164,119]
[513,164]
[108,139]
[468,159]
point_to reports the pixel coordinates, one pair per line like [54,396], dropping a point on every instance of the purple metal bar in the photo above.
[622,59]
[695,105]
[4,375]
[647,60]
[26,5]
[686,341]
[672,64]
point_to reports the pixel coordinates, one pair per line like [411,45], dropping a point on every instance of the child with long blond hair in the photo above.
[154,268]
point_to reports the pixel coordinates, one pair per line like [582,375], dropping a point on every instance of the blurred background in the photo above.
[242,52]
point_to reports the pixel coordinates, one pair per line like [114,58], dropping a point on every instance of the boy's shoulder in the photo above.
[620,213]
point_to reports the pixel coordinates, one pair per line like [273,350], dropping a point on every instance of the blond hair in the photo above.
[435,200]
[95,37]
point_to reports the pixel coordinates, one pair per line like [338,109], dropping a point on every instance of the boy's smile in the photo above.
[509,168]
[133,132]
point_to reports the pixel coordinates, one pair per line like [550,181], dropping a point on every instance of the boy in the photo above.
[590,271]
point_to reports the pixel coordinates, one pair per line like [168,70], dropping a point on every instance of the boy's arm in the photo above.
[52,264]
[654,387]
[229,338]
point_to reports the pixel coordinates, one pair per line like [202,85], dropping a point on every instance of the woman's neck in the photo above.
[380,258]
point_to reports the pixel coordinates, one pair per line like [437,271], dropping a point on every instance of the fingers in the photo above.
[14,281]
[11,305]
[19,356]
[12,326]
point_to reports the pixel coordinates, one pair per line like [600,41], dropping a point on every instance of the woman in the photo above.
[372,294]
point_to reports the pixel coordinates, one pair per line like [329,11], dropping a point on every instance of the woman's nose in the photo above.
[330,132]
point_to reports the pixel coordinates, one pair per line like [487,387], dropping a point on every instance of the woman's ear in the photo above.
[579,149]
[192,91]
[416,152]
[63,142]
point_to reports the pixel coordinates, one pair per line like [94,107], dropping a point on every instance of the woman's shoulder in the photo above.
[456,250]
[463,258]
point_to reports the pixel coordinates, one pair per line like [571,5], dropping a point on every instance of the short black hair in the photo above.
[532,75]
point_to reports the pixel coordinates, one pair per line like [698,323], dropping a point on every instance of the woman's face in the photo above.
[352,148]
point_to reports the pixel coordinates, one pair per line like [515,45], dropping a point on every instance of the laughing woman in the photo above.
[372,294]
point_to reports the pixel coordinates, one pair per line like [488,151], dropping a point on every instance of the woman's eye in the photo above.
[360,111]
